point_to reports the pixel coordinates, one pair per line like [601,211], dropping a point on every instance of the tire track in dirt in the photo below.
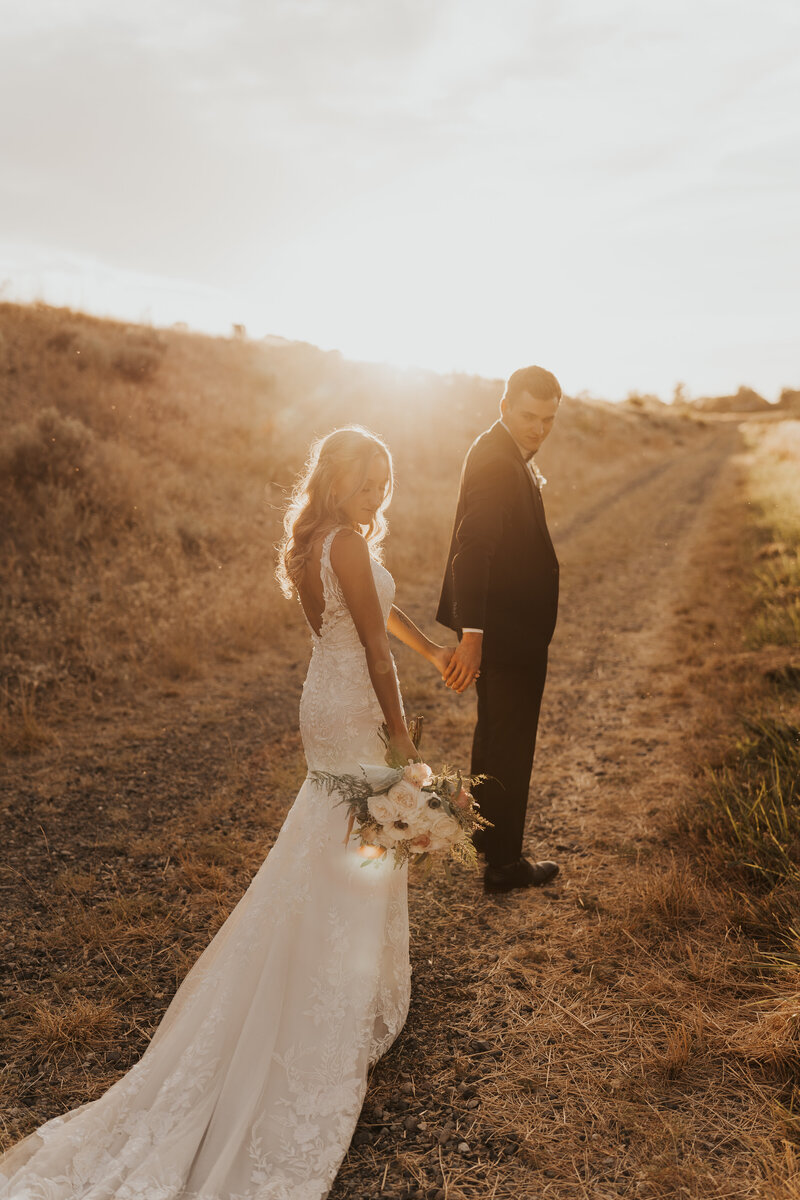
[587,515]
[626,568]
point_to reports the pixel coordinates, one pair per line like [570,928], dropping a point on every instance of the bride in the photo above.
[253,1082]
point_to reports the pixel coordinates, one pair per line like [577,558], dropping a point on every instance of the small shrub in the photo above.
[57,457]
[137,361]
[54,450]
[61,340]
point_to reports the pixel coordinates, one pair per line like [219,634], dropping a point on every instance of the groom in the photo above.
[500,594]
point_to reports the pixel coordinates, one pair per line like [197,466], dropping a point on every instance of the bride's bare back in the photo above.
[309,588]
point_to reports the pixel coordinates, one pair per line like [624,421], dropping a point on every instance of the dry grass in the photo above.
[74,1027]
[21,730]
[747,817]
[607,1068]
[628,1032]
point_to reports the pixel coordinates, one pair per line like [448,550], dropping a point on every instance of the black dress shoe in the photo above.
[520,874]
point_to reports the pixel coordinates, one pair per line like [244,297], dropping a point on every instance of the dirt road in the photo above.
[569,1043]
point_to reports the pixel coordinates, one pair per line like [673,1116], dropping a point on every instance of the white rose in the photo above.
[405,797]
[382,810]
[444,826]
[419,774]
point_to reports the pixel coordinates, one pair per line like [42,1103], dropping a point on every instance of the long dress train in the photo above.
[252,1084]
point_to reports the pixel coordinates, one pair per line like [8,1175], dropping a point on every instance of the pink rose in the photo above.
[463,799]
[419,774]
[421,843]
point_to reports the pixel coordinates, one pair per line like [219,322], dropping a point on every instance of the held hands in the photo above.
[441,656]
[465,665]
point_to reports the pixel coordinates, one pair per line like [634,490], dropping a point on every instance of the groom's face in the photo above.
[529,418]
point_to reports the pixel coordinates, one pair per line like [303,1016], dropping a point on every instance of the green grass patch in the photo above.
[775,493]
[748,816]
[777,620]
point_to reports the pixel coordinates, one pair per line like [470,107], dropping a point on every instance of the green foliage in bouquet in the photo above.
[356,792]
[447,791]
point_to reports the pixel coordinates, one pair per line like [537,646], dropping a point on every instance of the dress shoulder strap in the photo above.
[325,555]
[330,583]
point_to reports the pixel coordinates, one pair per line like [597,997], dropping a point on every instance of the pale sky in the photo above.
[610,188]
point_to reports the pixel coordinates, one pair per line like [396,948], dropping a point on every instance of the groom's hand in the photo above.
[465,664]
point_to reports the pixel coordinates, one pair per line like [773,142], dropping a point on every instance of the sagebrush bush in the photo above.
[52,449]
[137,361]
[55,454]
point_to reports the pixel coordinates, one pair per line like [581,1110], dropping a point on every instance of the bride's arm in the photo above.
[351,562]
[403,628]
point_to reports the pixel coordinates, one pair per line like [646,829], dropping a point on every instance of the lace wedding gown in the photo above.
[252,1084]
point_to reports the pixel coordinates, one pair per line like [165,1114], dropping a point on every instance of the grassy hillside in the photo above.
[142,474]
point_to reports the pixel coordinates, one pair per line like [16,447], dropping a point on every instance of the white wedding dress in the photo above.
[253,1082]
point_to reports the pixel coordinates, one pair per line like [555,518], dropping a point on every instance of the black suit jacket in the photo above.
[502,570]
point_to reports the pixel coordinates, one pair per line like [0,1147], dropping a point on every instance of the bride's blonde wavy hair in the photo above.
[312,509]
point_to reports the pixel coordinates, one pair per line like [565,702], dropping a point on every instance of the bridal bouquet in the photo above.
[407,810]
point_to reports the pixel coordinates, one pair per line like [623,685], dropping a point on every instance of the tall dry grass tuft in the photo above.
[21,730]
[52,1030]
[671,899]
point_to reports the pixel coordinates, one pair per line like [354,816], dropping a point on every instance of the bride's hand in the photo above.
[404,748]
[441,658]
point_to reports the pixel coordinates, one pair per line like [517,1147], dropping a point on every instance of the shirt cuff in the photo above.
[466,630]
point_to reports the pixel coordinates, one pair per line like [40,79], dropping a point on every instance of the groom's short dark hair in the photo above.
[540,383]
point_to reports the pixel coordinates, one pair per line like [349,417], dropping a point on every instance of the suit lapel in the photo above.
[512,449]
[538,508]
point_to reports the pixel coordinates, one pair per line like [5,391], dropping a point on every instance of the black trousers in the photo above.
[509,699]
